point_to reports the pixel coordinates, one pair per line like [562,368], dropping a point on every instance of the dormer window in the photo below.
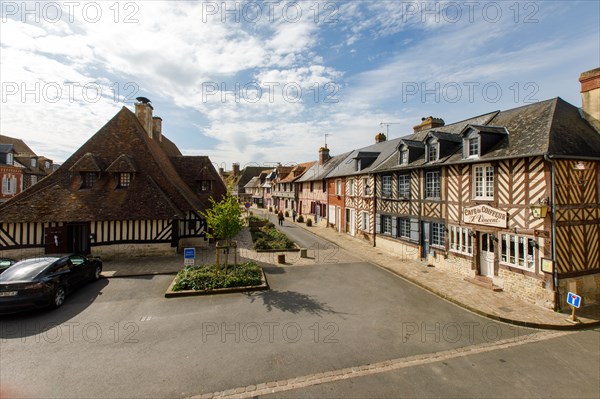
[47,165]
[9,159]
[33,162]
[432,152]
[206,186]
[124,180]
[473,147]
[88,179]
[404,157]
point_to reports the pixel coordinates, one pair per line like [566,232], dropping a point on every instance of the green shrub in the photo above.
[300,219]
[268,237]
[308,222]
[204,277]
[286,214]
[270,209]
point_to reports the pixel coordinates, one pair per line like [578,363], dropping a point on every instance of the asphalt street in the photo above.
[121,338]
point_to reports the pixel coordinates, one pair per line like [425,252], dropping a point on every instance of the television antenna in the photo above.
[387,127]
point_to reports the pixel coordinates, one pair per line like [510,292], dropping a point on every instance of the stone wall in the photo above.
[588,287]
[527,288]
[398,248]
[112,252]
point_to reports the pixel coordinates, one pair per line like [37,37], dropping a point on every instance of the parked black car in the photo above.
[45,281]
[5,263]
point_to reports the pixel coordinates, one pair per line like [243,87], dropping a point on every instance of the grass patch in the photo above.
[204,277]
[268,237]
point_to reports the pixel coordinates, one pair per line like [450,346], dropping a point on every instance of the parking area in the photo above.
[122,338]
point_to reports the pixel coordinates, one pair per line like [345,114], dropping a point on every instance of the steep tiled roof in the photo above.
[157,190]
[296,172]
[20,147]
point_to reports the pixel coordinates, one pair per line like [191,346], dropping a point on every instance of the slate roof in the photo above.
[551,127]
[158,190]
[247,174]
[347,167]
[319,172]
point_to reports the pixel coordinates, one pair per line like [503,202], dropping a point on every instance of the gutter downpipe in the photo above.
[553,233]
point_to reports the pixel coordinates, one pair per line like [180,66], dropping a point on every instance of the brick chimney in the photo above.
[236,169]
[428,123]
[143,111]
[221,171]
[157,127]
[380,137]
[590,96]
[323,155]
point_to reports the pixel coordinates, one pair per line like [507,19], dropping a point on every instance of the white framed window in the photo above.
[332,214]
[338,187]
[9,185]
[386,224]
[350,186]
[47,165]
[437,234]
[33,162]
[461,240]
[386,186]
[365,186]
[9,159]
[433,187]
[473,147]
[34,179]
[365,220]
[517,251]
[404,186]
[432,151]
[404,157]
[483,176]
[124,180]
[404,228]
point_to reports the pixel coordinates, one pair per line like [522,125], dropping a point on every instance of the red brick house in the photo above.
[34,167]
[127,191]
[11,173]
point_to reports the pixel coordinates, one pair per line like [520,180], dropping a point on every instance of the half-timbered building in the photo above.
[350,185]
[127,191]
[312,186]
[285,190]
[509,199]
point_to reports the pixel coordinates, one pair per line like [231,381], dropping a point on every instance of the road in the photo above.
[121,338]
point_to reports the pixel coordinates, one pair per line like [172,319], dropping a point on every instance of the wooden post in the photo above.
[573,318]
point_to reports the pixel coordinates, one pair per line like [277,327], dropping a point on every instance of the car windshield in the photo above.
[26,269]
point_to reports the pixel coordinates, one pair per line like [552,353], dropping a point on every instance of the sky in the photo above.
[262,82]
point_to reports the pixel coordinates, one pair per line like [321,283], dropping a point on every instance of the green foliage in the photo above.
[223,218]
[270,209]
[268,237]
[309,222]
[203,277]
[286,214]
[256,219]
[300,219]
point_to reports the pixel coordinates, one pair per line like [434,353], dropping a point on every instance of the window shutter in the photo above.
[394,227]
[5,185]
[378,224]
[414,230]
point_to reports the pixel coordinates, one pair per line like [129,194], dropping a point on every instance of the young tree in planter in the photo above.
[224,221]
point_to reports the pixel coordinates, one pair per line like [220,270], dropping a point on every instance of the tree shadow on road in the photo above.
[293,302]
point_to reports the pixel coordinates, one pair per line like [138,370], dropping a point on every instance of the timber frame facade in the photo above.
[463,201]
[127,191]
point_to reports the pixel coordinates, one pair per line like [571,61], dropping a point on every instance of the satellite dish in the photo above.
[143,100]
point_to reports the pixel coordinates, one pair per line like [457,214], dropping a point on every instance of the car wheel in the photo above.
[97,272]
[59,297]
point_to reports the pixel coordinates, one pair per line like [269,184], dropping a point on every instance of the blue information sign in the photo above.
[189,253]
[574,300]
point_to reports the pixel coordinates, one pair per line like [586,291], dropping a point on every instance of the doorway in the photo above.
[487,256]
[425,226]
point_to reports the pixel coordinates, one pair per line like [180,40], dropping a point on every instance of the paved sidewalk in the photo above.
[496,305]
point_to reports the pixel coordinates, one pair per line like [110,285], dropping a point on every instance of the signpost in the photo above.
[189,256]
[575,301]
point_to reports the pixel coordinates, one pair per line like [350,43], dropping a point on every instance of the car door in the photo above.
[79,270]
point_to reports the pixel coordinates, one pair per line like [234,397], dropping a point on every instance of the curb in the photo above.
[176,294]
[521,323]
[146,274]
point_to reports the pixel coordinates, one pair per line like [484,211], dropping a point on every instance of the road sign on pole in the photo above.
[189,256]
[575,301]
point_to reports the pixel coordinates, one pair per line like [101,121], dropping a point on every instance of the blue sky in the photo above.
[255,82]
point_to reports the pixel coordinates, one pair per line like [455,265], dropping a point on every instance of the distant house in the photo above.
[127,191]
[34,167]
[312,186]
[285,193]
[11,173]
[239,178]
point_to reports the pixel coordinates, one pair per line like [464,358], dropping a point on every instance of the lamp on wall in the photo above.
[540,209]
